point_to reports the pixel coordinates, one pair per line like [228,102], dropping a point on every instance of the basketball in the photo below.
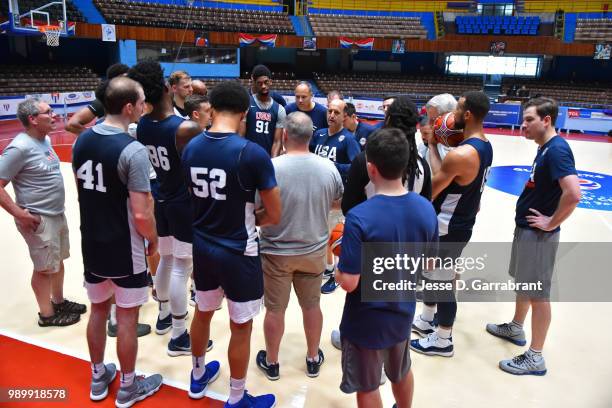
[335,238]
[445,132]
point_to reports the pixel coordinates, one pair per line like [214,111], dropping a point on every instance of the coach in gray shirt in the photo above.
[293,252]
[30,163]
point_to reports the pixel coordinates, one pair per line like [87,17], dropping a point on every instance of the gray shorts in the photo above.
[49,244]
[533,260]
[362,367]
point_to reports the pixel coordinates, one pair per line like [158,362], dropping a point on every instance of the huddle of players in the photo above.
[209,182]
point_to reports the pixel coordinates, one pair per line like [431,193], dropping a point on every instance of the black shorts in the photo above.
[362,367]
[138,280]
[174,219]
[240,276]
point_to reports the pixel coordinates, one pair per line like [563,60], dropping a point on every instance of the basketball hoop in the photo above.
[51,33]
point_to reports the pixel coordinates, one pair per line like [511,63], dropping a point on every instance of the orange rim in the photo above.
[45,28]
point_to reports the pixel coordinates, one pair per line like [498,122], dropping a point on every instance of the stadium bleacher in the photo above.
[26,79]
[498,25]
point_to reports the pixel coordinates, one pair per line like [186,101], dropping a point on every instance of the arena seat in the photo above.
[584,93]
[496,25]
[27,79]
[594,29]
[367,26]
[200,18]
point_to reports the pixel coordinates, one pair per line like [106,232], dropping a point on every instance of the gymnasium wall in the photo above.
[534,6]
[386,5]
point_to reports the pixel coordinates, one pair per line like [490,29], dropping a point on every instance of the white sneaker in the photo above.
[433,345]
[422,327]
[335,339]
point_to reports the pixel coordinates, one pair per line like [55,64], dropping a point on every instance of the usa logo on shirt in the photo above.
[263,116]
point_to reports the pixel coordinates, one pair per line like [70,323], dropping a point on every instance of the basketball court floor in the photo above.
[577,356]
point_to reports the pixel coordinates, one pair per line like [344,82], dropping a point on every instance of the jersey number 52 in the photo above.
[207,183]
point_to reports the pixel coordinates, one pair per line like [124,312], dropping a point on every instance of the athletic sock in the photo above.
[516,325]
[113,315]
[98,370]
[236,390]
[428,313]
[164,309]
[127,379]
[198,367]
[444,333]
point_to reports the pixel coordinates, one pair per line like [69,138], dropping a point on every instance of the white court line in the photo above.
[606,223]
[80,356]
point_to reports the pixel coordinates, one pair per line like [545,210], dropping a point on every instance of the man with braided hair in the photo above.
[164,135]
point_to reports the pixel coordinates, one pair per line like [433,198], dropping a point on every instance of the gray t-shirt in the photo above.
[34,169]
[308,185]
[133,165]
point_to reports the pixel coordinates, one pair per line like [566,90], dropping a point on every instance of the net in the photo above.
[52,34]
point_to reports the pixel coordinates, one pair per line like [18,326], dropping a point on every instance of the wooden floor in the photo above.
[577,356]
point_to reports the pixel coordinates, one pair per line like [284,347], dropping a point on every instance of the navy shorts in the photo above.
[214,266]
[173,219]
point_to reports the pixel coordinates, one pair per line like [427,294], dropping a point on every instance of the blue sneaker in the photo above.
[163,326]
[197,389]
[329,286]
[250,401]
[181,346]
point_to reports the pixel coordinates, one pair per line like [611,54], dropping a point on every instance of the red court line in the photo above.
[28,366]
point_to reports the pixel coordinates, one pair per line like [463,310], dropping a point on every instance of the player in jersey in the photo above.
[117,231]
[338,145]
[223,172]
[377,334]
[304,103]
[549,197]
[361,130]
[402,115]
[457,185]
[180,82]
[198,109]
[164,134]
[264,120]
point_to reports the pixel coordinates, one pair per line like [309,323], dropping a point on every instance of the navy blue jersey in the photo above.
[261,124]
[542,192]
[457,205]
[408,218]
[362,133]
[223,171]
[318,115]
[159,137]
[110,248]
[341,148]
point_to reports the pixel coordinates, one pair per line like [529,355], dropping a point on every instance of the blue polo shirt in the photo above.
[542,192]
[408,218]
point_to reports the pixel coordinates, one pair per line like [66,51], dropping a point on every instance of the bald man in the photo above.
[304,103]
[199,87]
[338,145]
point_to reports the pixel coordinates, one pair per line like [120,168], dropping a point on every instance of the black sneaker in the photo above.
[270,370]
[69,307]
[313,367]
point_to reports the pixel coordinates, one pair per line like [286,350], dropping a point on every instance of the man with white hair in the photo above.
[437,106]
[31,164]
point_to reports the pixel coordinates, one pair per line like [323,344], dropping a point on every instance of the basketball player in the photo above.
[165,134]
[387,101]
[361,130]
[264,121]
[457,185]
[305,103]
[112,175]
[402,115]
[199,87]
[224,171]
[378,333]
[31,164]
[338,145]
[180,82]
[198,109]
[437,106]
[550,196]
[76,124]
